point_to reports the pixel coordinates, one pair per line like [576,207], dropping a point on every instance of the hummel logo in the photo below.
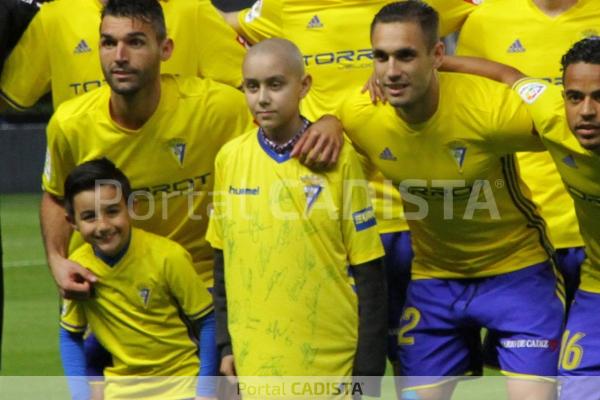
[516,47]
[386,154]
[82,47]
[315,22]
[570,161]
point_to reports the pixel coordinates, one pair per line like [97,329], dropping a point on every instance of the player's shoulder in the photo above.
[356,105]
[147,242]
[83,255]
[240,145]
[82,106]
[472,90]
[60,10]
[193,88]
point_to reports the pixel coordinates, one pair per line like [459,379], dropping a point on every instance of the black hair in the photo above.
[585,51]
[411,11]
[86,176]
[148,11]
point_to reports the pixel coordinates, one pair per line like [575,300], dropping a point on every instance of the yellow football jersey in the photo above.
[137,311]
[468,211]
[579,168]
[59,50]
[288,235]
[534,43]
[170,160]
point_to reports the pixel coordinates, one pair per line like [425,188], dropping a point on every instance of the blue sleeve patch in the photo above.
[364,219]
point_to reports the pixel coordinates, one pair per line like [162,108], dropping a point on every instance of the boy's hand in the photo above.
[375,92]
[228,368]
[320,145]
[74,282]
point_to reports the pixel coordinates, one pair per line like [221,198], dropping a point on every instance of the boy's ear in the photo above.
[306,83]
[71,221]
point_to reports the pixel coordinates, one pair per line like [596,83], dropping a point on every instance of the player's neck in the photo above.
[553,8]
[285,133]
[133,111]
[425,108]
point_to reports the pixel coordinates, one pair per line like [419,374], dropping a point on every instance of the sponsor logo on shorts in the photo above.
[531,91]
[529,344]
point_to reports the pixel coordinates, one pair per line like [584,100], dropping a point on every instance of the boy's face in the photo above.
[101,216]
[273,90]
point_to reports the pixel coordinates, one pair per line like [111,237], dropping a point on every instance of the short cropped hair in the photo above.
[148,11]
[585,51]
[86,176]
[411,11]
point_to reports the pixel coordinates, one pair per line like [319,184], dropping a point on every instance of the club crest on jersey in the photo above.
[177,147]
[145,295]
[531,91]
[313,186]
[458,153]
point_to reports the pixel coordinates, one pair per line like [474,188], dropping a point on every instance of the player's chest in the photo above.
[133,293]
[403,157]
[278,197]
[580,172]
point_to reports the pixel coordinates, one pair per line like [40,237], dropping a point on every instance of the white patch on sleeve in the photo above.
[48,166]
[530,92]
[254,11]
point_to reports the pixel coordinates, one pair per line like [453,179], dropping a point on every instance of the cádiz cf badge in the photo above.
[177,148]
[313,185]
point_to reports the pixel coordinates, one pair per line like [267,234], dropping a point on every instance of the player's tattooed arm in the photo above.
[482,67]
[320,146]
[73,281]
[371,289]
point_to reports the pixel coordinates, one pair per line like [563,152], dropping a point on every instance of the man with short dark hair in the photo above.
[450,140]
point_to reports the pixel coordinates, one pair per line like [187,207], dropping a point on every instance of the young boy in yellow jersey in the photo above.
[480,246]
[285,239]
[164,131]
[534,36]
[150,309]
[569,125]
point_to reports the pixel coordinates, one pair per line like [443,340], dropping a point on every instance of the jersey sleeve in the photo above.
[72,317]
[359,227]
[214,233]
[512,127]
[453,13]
[185,285]
[229,113]
[473,39]
[543,100]
[59,161]
[261,21]
[220,53]
[26,73]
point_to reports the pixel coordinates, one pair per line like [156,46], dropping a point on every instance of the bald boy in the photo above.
[284,238]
